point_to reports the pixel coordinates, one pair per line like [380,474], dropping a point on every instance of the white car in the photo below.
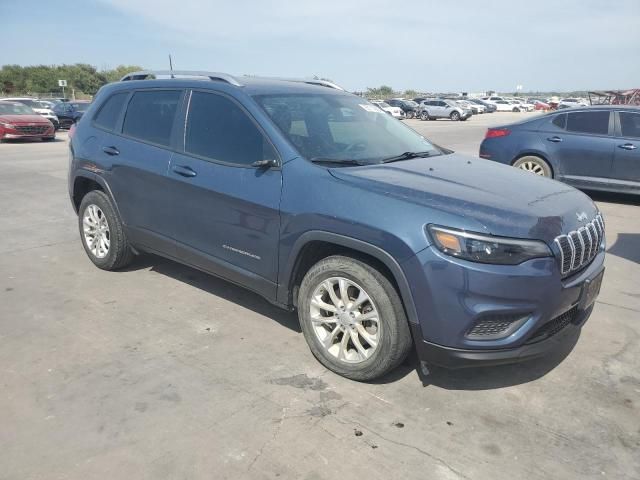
[493,99]
[571,102]
[507,106]
[395,112]
[39,107]
[525,106]
[475,108]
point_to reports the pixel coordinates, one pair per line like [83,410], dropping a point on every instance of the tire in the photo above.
[454,116]
[516,110]
[410,114]
[535,165]
[390,330]
[424,115]
[119,253]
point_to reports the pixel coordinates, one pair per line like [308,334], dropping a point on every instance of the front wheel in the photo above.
[410,114]
[425,115]
[535,165]
[352,318]
[455,116]
[516,110]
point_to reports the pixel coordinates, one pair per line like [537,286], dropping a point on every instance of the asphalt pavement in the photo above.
[162,372]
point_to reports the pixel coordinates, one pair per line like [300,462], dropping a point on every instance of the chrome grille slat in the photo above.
[578,247]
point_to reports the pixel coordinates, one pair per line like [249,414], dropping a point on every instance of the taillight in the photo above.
[497,132]
[72,130]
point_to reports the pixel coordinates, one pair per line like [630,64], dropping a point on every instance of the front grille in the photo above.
[495,326]
[32,129]
[579,247]
[554,326]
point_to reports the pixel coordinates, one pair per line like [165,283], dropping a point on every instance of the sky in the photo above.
[425,45]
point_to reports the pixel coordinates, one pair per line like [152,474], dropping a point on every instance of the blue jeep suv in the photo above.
[319,201]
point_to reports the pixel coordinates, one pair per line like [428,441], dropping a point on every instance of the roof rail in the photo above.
[311,81]
[144,74]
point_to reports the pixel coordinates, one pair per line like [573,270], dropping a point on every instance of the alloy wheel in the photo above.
[96,231]
[533,167]
[345,320]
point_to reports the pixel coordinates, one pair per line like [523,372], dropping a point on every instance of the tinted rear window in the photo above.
[150,115]
[596,123]
[630,123]
[110,111]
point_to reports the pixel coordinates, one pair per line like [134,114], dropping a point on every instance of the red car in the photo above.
[19,121]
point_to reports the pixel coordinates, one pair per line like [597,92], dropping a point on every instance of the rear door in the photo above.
[581,145]
[226,211]
[140,156]
[626,163]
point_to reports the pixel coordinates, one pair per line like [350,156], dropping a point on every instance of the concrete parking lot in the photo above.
[162,372]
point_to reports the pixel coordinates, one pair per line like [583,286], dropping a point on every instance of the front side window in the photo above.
[630,124]
[109,113]
[339,127]
[150,115]
[218,129]
[595,123]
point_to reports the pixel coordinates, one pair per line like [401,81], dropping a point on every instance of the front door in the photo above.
[582,145]
[225,209]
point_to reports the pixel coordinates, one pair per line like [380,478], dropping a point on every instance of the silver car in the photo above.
[442,108]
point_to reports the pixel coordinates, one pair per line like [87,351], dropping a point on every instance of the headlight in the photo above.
[6,125]
[481,248]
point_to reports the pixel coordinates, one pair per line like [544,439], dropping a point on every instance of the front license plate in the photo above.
[591,289]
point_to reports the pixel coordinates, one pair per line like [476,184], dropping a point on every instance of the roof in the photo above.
[252,85]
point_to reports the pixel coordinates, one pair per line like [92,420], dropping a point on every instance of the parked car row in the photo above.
[62,113]
[18,120]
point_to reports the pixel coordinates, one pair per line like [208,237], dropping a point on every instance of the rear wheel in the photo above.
[534,164]
[352,318]
[516,110]
[410,114]
[101,231]
[455,116]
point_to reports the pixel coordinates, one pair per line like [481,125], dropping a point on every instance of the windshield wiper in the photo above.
[335,161]
[406,156]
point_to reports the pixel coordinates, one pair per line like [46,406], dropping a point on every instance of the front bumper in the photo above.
[454,358]
[452,297]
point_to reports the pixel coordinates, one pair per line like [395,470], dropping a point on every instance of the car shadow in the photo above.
[612,197]
[627,245]
[477,378]
[217,287]
[31,140]
[482,378]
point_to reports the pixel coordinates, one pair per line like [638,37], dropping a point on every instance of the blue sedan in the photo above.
[595,148]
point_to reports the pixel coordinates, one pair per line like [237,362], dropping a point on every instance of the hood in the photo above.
[22,119]
[499,199]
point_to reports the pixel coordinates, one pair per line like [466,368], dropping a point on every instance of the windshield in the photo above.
[15,109]
[81,107]
[410,103]
[341,127]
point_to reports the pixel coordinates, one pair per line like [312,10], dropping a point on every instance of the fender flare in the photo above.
[82,173]
[284,288]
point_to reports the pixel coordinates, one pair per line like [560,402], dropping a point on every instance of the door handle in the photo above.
[554,139]
[184,171]
[111,151]
[628,146]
